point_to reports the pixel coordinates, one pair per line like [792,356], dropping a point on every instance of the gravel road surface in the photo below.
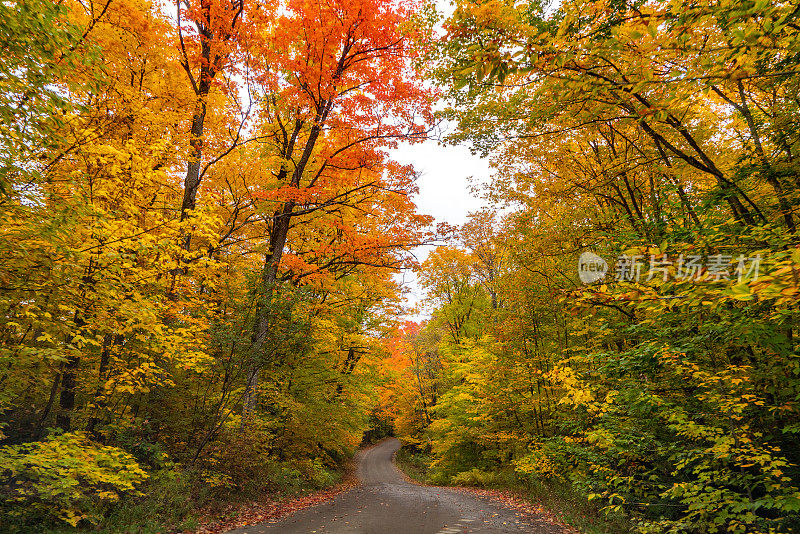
[385,503]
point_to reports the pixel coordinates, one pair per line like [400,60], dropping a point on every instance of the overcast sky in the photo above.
[444,182]
[444,191]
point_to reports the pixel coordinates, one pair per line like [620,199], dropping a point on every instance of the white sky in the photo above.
[444,193]
[445,179]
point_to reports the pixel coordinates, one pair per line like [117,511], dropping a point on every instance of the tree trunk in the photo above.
[269,277]
[192,181]
[66,401]
[51,399]
[769,173]
[109,340]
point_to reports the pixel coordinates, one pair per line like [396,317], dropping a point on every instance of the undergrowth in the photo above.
[178,500]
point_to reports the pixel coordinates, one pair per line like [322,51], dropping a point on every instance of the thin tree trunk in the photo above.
[192,181]
[348,367]
[687,205]
[52,398]
[278,235]
[769,174]
[66,401]
[109,340]
[209,67]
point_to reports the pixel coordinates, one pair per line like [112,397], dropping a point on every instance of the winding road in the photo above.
[385,503]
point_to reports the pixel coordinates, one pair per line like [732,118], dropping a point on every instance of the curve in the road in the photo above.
[385,503]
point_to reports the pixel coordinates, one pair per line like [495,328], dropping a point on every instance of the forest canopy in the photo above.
[201,224]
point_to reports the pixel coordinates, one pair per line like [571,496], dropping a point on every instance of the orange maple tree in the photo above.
[335,89]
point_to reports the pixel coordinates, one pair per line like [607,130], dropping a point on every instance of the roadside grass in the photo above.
[414,465]
[565,502]
[574,507]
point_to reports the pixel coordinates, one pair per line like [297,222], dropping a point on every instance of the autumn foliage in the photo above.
[653,131]
[200,225]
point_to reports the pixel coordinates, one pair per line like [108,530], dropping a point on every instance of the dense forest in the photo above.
[199,231]
[661,137]
[201,228]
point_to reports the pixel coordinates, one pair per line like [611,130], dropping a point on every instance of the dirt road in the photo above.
[386,504]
